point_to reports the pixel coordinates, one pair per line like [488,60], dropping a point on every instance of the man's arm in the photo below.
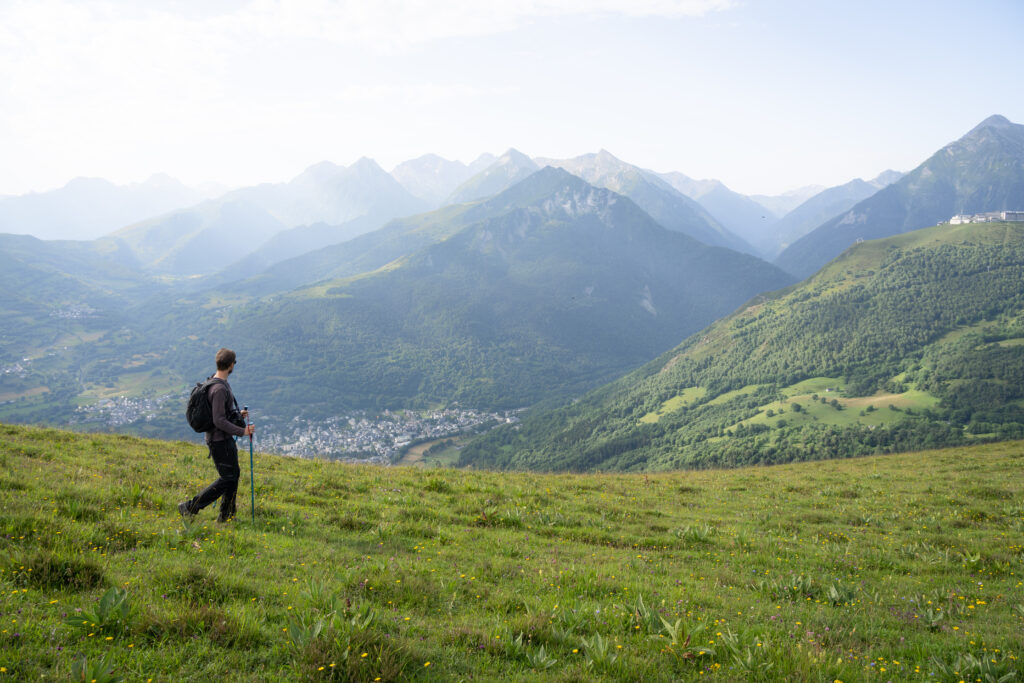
[218,401]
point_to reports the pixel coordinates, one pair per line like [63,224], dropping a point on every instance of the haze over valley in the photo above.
[510,283]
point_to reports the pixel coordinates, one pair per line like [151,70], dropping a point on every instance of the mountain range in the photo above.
[741,215]
[823,206]
[162,226]
[433,179]
[87,208]
[660,200]
[516,281]
[982,171]
[217,233]
[550,287]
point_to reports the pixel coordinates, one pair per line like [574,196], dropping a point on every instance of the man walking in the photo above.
[228,422]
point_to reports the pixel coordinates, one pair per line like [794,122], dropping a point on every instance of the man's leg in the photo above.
[225,459]
[230,473]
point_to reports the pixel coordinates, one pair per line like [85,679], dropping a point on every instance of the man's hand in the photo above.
[250,430]
[245,414]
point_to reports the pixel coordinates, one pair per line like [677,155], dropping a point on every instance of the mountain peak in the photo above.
[320,172]
[86,184]
[366,164]
[885,178]
[994,121]
[546,180]
[513,155]
[431,158]
[553,174]
[485,159]
[538,186]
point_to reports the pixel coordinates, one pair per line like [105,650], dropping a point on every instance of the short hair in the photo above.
[225,357]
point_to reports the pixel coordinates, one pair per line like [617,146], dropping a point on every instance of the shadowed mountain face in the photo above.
[560,285]
[982,171]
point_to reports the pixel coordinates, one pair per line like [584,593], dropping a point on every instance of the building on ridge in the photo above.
[987,217]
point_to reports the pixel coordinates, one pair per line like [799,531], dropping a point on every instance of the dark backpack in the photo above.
[199,413]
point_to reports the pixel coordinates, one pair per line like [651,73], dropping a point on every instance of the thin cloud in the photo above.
[382,25]
[395,25]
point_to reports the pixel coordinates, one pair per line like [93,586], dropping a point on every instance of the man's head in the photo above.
[225,359]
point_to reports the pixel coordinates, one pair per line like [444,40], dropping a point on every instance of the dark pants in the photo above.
[225,459]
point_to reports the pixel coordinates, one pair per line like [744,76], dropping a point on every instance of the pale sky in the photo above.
[764,95]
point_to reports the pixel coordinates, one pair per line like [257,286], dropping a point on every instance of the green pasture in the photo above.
[889,568]
[878,410]
[137,383]
[730,395]
[689,396]
[815,385]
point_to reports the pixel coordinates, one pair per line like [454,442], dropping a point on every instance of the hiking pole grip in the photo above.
[252,480]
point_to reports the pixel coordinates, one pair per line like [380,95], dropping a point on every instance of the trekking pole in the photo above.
[252,481]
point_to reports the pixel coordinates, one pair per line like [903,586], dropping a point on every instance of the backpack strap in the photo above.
[213,380]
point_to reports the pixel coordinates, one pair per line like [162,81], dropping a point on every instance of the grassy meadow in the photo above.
[818,400]
[890,568]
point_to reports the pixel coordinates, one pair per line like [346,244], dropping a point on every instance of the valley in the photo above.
[556,291]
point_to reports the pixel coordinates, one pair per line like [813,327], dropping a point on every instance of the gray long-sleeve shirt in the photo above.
[222,401]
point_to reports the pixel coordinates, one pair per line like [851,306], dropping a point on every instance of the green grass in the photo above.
[418,457]
[876,411]
[689,396]
[729,395]
[882,409]
[905,567]
[814,385]
[446,458]
[136,384]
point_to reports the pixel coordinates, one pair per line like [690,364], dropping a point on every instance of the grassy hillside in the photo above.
[886,568]
[899,344]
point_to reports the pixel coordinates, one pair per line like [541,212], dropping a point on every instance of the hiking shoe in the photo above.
[184,510]
[221,519]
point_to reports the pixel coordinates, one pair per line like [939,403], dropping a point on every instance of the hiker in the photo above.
[228,422]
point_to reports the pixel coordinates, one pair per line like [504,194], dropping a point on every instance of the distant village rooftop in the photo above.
[990,217]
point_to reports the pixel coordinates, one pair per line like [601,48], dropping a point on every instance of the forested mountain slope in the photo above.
[912,340]
[52,289]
